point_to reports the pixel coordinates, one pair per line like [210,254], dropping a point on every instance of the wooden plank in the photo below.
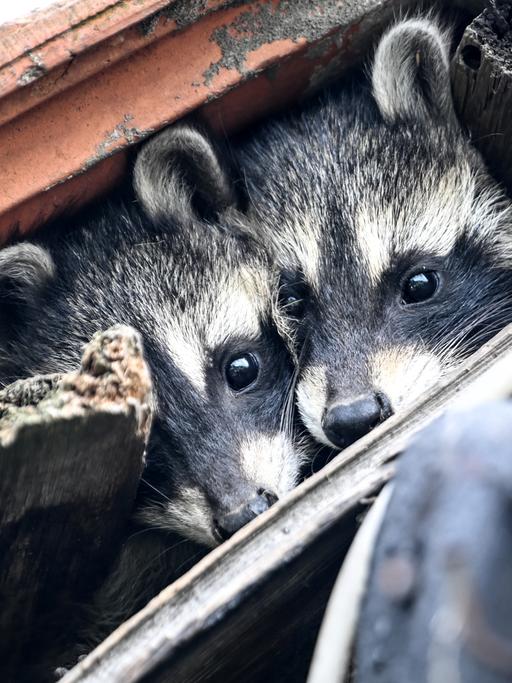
[60,46]
[71,454]
[94,78]
[136,74]
[34,29]
[213,623]
[482,87]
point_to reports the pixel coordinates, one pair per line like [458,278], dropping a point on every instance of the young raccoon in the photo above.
[181,266]
[395,244]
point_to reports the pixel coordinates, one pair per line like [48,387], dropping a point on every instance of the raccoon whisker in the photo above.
[317,452]
[443,347]
[254,204]
[331,455]
[476,318]
[493,324]
[174,573]
[488,135]
[197,556]
[145,481]
[285,415]
[167,549]
[449,351]
[114,599]
[489,332]
[153,502]
[286,424]
[145,530]
[494,321]
[290,305]
[285,403]
[174,546]
[289,406]
[291,395]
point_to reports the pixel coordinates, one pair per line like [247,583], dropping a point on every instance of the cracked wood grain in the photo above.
[71,454]
[482,87]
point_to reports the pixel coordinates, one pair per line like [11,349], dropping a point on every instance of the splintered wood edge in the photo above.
[219,582]
[72,451]
[113,378]
[47,422]
[483,94]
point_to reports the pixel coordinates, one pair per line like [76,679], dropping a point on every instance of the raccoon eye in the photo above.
[292,306]
[420,287]
[241,371]
[292,294]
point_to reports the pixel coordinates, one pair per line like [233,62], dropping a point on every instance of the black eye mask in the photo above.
[293,292]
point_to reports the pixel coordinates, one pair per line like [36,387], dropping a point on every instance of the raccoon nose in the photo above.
[344,423]
[226,525]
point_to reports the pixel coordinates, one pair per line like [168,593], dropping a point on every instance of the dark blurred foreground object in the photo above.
[438,607]
[482,85]
[71,455]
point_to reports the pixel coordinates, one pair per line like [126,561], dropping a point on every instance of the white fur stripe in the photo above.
[403,373]
[270,462]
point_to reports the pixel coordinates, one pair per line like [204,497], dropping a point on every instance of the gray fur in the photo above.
[357,189]
[161,170]
[192,280]
[25,270]
[410,75]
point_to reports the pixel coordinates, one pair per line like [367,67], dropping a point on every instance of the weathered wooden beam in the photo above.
[71,454]
[86,81]
[250,610]
[482,86]
[83,81]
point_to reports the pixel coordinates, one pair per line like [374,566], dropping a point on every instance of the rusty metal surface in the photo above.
[130,78]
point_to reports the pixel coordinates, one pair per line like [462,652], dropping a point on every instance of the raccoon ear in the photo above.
[25,269]
[180,170]
[410,74]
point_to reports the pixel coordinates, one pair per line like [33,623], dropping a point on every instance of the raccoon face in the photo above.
[393,240]
[223,377]
[182,267]
[222,372]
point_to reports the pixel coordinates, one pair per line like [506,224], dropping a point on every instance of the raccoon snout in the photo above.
[228,524]
[344,423]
